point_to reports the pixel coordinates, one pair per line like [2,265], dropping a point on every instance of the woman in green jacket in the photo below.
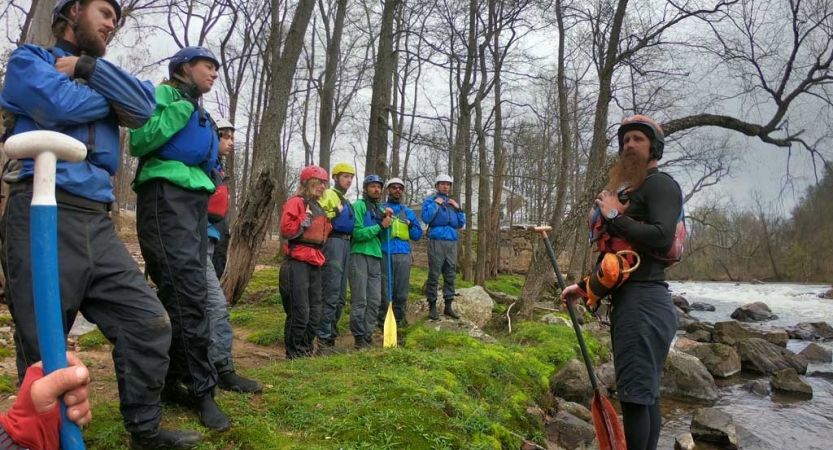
[175,149]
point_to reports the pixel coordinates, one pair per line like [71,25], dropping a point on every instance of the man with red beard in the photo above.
[643,319]
[70,89]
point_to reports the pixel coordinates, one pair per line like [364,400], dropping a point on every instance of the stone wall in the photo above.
[515,250]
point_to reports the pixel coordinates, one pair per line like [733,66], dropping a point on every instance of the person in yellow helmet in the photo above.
[337,253]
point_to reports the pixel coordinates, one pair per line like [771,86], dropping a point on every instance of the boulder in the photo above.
[606,374]
[462,325]
[684,344]
[697,326]
[681,302]
[828,294]
[721,360]
[732,332]
[759,387]
[683,319]
[821,374]
[788,381]
[702,306]
[684,442]
[572,383]
[570,432]
[759,356]
[699,336]
[685,377]
[474,304]
[816,353]
[754,312]
[552,319]
[714,426]
[574,408]
[811,330]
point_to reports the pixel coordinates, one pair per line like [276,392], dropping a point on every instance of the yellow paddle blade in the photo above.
[390,328]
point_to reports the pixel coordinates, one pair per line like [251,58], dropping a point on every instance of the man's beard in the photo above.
[394,199]
[629,171]
[89,41]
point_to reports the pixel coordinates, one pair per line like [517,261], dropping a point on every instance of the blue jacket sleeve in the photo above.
[35,88]
[429,208]
[461,219]
[415,230]
[132,100]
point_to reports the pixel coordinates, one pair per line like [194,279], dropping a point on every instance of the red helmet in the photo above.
[313,172]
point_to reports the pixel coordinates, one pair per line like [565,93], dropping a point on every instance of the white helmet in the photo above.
[443,178]
[222,124]
[394,181]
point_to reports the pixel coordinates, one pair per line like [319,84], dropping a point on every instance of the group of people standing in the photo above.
[331,242]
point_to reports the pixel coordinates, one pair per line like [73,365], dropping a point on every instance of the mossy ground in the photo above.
[439,391]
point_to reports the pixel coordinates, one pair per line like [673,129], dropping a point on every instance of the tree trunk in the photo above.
[325,115]
[37,28]
[248,232]
[377,134]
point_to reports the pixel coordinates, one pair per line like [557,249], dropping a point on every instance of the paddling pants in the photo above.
[172,223]
[401,270]
[300,288]
[334,291]
[99,278]
[442,259]
[642,425]
[365,294]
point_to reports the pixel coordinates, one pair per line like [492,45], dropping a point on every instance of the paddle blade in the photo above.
[390,328]
[609,432]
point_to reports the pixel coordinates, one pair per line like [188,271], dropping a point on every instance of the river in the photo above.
[777,421]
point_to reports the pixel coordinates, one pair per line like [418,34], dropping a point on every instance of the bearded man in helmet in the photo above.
[71,89]
[337,252]
[366,261]
[177,148]
[305,227]
[404,228]
[444,217]
[641,205]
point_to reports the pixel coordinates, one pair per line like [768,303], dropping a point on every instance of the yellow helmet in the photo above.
[343,168]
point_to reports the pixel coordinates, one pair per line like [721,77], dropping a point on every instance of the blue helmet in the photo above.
[372,179]
[188,54]
[57,10]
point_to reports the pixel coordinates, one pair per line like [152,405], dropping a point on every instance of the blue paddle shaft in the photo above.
[48,309]
[390,273]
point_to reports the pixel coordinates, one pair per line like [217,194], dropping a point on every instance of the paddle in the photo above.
[609,432]
[390,320]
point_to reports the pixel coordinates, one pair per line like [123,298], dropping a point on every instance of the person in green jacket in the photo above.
[176,148]
[366,261]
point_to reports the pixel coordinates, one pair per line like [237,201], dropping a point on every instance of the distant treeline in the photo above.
[732,244]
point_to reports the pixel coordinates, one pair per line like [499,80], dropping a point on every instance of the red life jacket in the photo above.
[218,203]
[316,234]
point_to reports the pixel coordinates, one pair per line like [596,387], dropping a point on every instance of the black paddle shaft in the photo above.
[572,311]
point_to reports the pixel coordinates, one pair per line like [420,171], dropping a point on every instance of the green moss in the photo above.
[508,284]
[8,384]
[6,321]
[266,324]
[5,352]
[93,340]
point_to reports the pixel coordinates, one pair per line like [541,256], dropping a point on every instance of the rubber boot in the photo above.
[232,382]
[449,311]
[433,314]
[165,439]
[211,415]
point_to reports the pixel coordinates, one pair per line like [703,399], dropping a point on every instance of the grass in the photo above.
[441,390]
[93,340]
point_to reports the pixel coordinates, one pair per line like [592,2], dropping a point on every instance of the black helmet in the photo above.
[651,129]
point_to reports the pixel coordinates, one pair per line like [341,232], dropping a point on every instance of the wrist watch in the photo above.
[612,214]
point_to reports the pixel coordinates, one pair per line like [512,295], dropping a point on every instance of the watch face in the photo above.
[612,214]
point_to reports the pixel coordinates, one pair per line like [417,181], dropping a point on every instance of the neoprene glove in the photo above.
[25,425]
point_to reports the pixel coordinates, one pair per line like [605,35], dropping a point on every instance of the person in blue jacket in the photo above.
[70,89]
[404,228]
[444,217]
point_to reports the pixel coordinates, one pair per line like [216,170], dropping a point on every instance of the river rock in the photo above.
[685,377]
[474,304]
[569,431]
[754,312]
[828,294]
[732,332]
[816,353]
[714,426]
[827,375]
[759,356]
[574,408]
[697,326]
[787,380]
[572,383]
[681,302]
[754,282]
[606,374]
[702,306]
[811,330]
[552,319]
[462,325]
[684,344]
[759,387]
[683,319]
[699,336]
[721,360]
[684,442]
